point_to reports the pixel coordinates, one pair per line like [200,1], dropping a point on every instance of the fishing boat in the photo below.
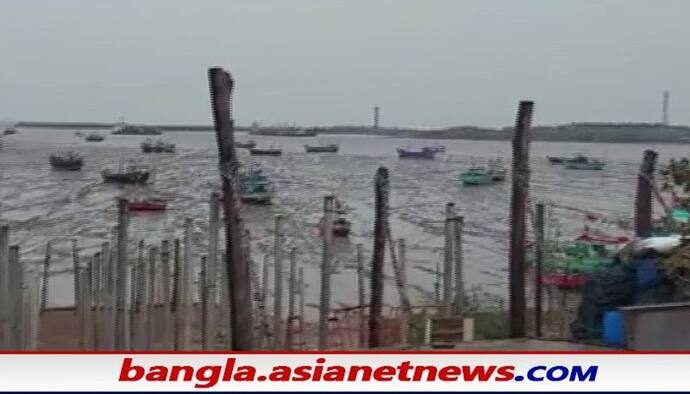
[70,161]
[128,175]
[557,159]
[265,151]
[94,137]
[247,144]
[147,205]
[158,146]
[255,186]
[284,132]
[128,129]
[10,131]
[590,164]
[423,153]
[476,176]
[329,148]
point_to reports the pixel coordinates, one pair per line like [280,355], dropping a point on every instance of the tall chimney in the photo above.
[664,114]
[376,117]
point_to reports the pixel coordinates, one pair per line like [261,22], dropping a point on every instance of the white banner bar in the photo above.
[345,372]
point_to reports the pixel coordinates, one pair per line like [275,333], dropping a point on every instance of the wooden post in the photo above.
[278,284]
[107,320]
[46,277]
[203,302]
[325,300]
[405,316]
[176,305]
[151,328]
[538,271]
[448,260]
[518,225]
[75,271]
[643,197]
[5,303]
[459,227]
[380,215]
[360,297]
[212,277]
[292,286]
[263,305]
[16,277]
[121,329]
[186,286]
[302,288]
[221,85]
[167,316]
[97,300]
[437,284]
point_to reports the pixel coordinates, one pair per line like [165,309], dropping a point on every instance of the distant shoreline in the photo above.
[573,132]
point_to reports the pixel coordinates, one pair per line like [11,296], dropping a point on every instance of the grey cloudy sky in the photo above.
[425,62]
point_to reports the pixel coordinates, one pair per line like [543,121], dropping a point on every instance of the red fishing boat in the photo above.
[147,205]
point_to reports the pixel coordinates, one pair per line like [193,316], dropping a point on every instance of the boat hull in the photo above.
[256,198]
[265,152]
[132,178]
[146,206]
[427,154]
[585,166]
[321,149]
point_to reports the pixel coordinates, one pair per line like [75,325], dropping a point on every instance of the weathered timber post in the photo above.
[75,270]
[263,305]
[459,226]
[5,286]
[212,256]
[518,226]
[302,287]
[167,316]
[175,306]
[151,320]
[134,297]
[292,285]
[437,284]
[203,302]
[405,316]
[121,332]
[448,260]
[186,286]
[643,197]
[97,301]
[380,215]
[16,276]
[538,272]
[325,299]
[278,284]
[221,85]
[360,297]
[46,277]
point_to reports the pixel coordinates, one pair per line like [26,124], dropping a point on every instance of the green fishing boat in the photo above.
[476,176]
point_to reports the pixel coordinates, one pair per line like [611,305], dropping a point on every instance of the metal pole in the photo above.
[380,215]
[325,301]
[360,297]
[448,260]
[278,285]
[459,277]
[518,229]
[538,272]
[292,284]
[221,85]
[643,198]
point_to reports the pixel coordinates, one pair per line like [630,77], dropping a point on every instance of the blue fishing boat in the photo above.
[423,153]
[255,186]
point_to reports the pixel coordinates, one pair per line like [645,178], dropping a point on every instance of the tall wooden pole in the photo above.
[186,286]
[175,306]
[5,286]
[538,271]
[381,184]
[325,301]
[46,277]
[518,229]
[121,337]
[360,297]
[459,224]
[278,284]
[406,309]
[203,302]
[221,85]
[448,260]
[643,198]
[292,289]
[212,256]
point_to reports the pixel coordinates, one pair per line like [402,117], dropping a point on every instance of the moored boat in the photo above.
[284,132]
[423,153]
[158,146]
[557,159]
[591,164]
[10,131]
[129,175]
[128,129]
[329,148]
[70,161]
[147,205]
[94,137]
[265,151]
[247,144]
[476,176]
[255,186]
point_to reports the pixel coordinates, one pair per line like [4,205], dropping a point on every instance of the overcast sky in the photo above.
[424,62]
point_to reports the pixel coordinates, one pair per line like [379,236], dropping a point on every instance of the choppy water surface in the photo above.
[40,203]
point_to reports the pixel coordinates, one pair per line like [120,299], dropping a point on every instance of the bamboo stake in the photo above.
[46,277]
[211,283]
[97,294]
[448,260]
[203,302]
[278,285]
[175,307]
[292,288]
[360,297]
[167,316]
[5,303]
[324,305]
[459,278]
[151,299]
[380,215]
[185,287]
